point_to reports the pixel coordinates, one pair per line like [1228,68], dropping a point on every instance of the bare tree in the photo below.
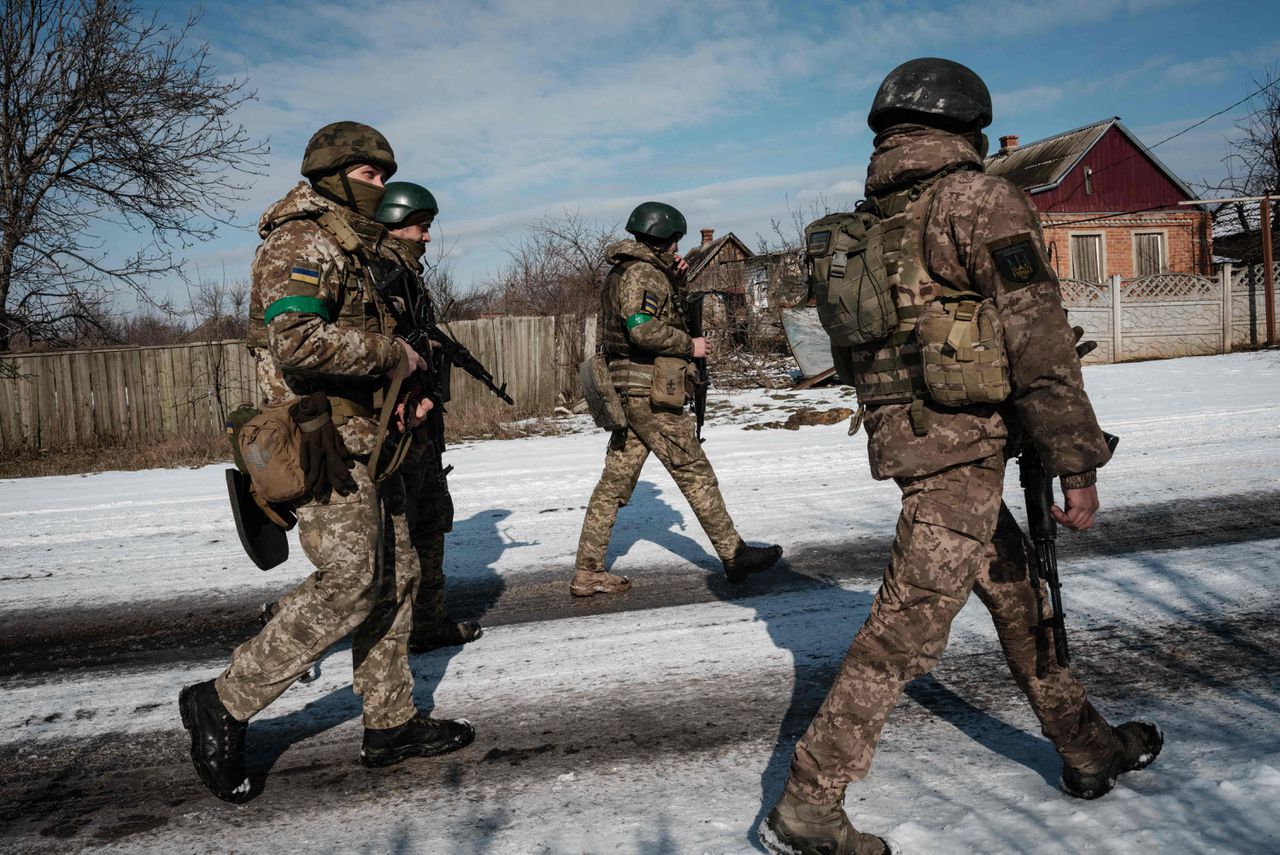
[108,121]
[558,268]
[1252,165]
[220,309]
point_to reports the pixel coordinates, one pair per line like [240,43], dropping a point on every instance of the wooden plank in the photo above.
[42,376]
[142,416]
[168,394]
[147,397]
[101,388]
[28,402]
[119,395]
[83,400]
[10,427]
[187,391]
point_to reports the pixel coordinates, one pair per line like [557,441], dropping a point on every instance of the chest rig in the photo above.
[897,335]
[614,342]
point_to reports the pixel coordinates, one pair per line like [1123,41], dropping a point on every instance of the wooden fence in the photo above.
[89,397]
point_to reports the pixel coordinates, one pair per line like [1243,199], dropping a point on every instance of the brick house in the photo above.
[1084,182]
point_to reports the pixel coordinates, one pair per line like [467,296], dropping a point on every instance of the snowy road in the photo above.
[662,720]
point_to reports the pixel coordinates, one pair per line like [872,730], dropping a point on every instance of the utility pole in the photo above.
[1268,271]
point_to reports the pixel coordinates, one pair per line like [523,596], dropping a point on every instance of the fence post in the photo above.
[1224,279]
[1116,317]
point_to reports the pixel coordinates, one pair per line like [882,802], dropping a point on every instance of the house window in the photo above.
[1086,258]
[1149,253]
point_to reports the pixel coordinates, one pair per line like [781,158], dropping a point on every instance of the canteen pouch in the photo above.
[271,447]
[603,401]
[848,280]
[669,382]
[962,349]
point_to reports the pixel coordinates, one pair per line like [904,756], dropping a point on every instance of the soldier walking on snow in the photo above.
[324,338]
[957,339]
[648,348]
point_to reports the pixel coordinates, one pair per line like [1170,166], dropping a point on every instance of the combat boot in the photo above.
[795,827]
[447,634]
[750,559]
[1140,742]
[418,737]
[217,742]
[588,582]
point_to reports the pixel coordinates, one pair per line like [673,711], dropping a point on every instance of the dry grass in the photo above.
[189,451]
[487,418]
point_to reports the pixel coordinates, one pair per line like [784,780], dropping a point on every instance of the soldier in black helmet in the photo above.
[966,263]
[408,210]
[645,339]
[327,355]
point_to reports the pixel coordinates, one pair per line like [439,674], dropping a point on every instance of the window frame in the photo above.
[1102,255]
[1163,234]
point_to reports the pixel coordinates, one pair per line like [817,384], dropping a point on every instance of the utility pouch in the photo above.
[603,401]
[848,279]
[962,349]
[236,420]
[271,448]
[669,389]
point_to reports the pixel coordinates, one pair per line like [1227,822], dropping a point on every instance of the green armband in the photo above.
[637,319]
[303,305]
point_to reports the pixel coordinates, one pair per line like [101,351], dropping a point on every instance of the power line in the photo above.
[1148,148]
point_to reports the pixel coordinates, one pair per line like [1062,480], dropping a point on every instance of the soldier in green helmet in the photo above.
[326,351]
[407,211]
[645,338]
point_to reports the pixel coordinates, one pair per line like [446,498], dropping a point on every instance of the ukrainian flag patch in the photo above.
[649,305]
[305,275]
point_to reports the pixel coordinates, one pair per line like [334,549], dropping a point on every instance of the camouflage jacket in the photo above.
[642,314]
[315,322]
[982,234]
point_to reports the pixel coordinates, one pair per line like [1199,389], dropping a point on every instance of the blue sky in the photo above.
[732,111]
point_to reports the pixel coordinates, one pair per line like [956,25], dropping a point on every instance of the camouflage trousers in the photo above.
[351,591]
[430,513]
[669,434]
[954,535]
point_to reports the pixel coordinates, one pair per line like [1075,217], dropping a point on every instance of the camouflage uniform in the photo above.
[311,252]
[430,505]
[639,284]
[954,534]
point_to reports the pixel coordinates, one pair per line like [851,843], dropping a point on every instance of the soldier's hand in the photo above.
[1083,348]
[413,361]
[412,416]
[700,347]
[682,266]
[1082,507]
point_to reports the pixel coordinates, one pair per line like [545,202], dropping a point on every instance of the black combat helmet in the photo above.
[657,220]
[932,91]
[405,203]
[346,144]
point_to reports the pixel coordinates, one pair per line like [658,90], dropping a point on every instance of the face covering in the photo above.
[359,196]
[980,142]
[413,248]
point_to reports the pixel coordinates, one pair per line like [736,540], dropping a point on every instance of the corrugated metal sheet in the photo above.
[1045,162]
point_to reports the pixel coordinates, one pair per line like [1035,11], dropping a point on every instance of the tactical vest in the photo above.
[927,341]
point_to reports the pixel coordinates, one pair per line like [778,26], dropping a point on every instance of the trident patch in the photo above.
[1018,261]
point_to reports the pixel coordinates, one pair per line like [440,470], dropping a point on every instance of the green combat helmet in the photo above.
[657,220]
[406,204]
[933,91]
[345,144]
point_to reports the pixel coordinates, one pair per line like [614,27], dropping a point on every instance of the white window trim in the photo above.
[1164,248]
[1102,253]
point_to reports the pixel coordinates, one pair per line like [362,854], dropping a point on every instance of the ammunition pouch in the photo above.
[962,348]
[670,382]
[270,446]
[603,401]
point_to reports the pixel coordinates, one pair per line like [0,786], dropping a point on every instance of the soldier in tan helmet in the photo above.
[647,345]
[956,339]
[323,337]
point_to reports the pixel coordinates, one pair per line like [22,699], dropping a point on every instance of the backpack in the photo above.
[849,283]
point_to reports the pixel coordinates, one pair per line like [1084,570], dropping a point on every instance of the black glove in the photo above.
[323,456]
[1083,348]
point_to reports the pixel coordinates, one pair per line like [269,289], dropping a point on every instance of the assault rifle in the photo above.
[1037,486]
[420,329]
[693,313]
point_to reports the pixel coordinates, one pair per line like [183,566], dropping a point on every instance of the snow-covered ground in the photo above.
[667,729]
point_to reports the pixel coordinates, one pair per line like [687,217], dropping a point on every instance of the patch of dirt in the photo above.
[805,417]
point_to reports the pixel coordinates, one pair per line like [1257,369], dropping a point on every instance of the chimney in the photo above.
[1008,143]
[707,236]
